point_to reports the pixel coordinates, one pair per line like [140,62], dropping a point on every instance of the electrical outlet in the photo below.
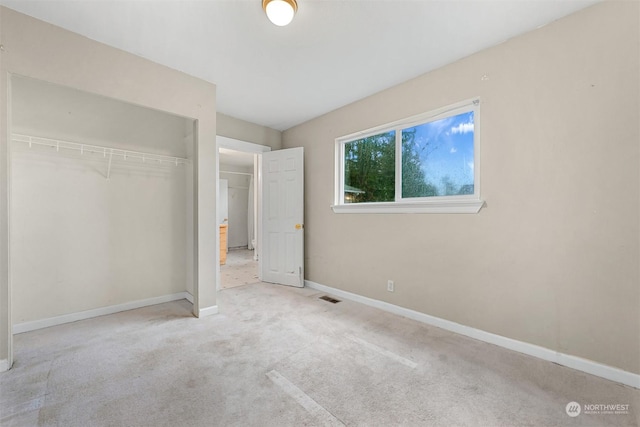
[390,285]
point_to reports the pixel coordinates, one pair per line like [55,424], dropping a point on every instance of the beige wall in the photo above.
[80,242]
[35,49]
[553,258]
[250,132]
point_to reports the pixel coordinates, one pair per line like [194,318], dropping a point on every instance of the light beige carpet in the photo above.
[278,356]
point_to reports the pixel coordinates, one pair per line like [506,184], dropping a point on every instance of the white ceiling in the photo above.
[333,53]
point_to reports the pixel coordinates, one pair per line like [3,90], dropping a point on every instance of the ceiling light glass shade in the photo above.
[280,12]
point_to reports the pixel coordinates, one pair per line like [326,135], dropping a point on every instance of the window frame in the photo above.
[467,203]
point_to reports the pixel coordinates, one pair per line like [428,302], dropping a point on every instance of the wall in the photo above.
[249,132]
[39,50]
[71,114]
[80,242]
[238,204]
[553,258]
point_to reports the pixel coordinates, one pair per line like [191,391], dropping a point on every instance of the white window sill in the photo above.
[436,206]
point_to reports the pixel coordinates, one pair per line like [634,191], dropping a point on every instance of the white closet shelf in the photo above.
[107,152]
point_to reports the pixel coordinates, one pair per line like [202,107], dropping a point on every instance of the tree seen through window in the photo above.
[437,160]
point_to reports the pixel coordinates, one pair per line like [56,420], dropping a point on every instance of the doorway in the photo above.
[238,212]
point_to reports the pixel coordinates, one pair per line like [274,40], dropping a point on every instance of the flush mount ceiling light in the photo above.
[280,12]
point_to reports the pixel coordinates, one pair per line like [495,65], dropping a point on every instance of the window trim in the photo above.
[471,203]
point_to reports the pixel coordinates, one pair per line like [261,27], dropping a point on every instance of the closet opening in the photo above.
[102,195]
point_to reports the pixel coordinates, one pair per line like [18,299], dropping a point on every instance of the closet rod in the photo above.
[69,145]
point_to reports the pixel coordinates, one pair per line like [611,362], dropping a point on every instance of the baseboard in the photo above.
[203,312]
[574,362]
[208,311]
[19,328]
[4,365]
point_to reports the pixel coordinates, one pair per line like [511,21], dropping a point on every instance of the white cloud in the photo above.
[453,150]
[463,128]
[470,165]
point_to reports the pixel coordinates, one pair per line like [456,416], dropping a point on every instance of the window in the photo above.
[369,169]
[427,163]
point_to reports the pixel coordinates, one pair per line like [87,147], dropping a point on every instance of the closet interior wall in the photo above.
[80,241]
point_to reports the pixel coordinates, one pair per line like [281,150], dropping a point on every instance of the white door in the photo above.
[282,217]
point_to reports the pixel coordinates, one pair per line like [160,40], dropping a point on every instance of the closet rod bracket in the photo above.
[109,164]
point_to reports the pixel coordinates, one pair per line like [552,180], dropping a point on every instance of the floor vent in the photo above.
[331,300]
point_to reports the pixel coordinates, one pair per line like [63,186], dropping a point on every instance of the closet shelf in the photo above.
[107,152]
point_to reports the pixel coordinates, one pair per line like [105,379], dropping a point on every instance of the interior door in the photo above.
[282,217]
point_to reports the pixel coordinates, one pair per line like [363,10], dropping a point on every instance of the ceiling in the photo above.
[333,53]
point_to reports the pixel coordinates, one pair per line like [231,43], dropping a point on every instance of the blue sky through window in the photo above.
[445,151]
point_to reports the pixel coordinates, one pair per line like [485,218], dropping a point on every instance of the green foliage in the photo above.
[370,169]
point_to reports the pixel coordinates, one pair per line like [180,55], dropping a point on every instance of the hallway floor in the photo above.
[279,356]
[240,269]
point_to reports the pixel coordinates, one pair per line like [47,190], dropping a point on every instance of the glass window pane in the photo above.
[437,158]
[369,169]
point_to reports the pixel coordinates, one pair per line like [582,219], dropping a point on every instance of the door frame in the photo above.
[257,150]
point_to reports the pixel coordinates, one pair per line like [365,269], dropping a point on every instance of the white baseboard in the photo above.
[574,362]
[19,328]
[4,365]
[208,311]
[203,312]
